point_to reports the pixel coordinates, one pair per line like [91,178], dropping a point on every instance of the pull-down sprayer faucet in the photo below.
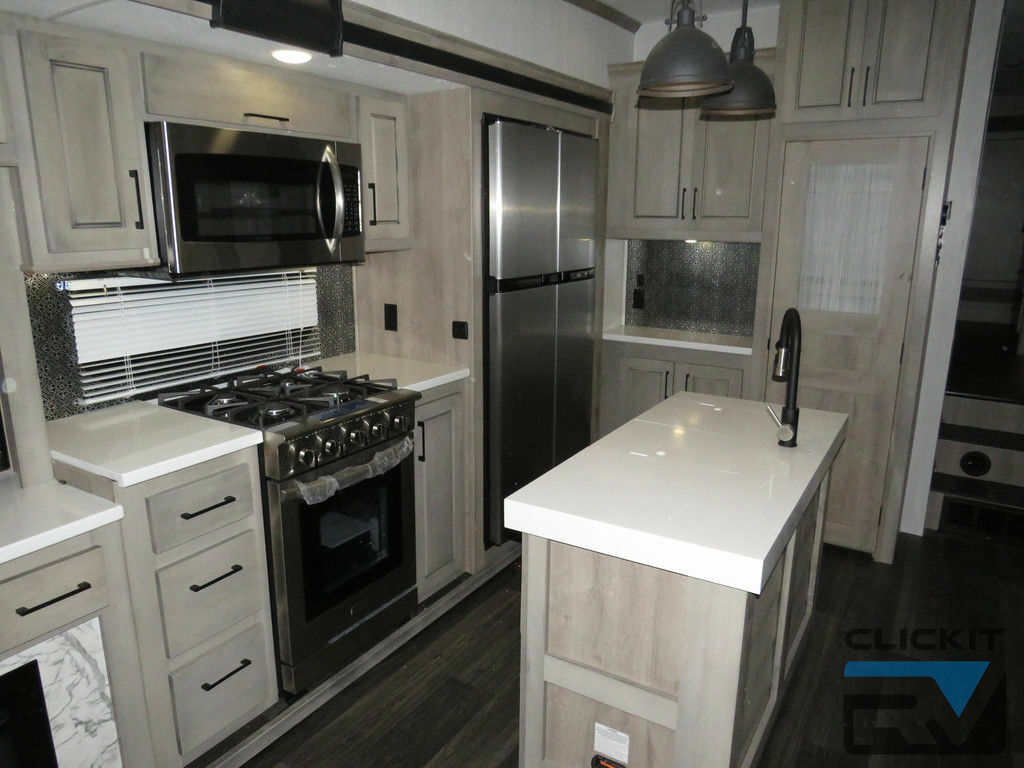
[787,369]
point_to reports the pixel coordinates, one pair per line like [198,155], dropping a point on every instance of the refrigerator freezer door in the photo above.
[523,198]
[575,367]
[520,390]
[578,202]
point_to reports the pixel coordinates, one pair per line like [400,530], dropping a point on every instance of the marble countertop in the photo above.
[411,374]
[697,485]
[43,515]
[665,337]
[138,441]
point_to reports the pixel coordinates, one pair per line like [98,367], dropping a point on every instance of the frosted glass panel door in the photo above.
[846,247]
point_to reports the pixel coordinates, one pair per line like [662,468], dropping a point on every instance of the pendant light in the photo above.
[686,62]
[752,92]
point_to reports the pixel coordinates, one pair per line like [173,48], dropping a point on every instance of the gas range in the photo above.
[310,418]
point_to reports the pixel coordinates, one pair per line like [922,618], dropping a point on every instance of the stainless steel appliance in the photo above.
[337,462]
[237,200]
[541,191]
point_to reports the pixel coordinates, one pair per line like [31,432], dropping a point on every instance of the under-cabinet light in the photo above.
[291,56]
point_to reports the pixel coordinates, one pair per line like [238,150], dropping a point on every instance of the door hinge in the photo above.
[944,217]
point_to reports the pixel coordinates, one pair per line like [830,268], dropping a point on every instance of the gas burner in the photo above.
[317,376]
[267,414]
[225,401]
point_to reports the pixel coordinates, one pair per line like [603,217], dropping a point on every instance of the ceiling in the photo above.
[646,11]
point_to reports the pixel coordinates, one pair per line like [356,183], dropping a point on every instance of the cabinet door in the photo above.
[382,133]
[709,380]
[728,185]
[6,131]
[643,384]
[89,149]
[440,507]
[803,574]
[846,251]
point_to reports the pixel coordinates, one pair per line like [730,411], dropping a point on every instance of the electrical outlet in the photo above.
[460,329]
[638,298]
[640,280]
[390,317]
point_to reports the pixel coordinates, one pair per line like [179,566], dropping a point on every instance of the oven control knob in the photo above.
[332,447]
[306,457]
[377,431]
[400,423]
[357,437]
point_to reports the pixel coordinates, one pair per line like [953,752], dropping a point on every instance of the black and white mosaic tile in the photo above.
[699,287]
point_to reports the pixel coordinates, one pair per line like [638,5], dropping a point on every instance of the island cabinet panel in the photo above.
[218,90]
[90,154]
[803,573]
[569,735]
[650,652]
[383,135]
[858,59]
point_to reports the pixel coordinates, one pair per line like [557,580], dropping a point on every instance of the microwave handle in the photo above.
[331,160]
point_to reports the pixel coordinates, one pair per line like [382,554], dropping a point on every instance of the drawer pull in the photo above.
[279,118]
[210,686]
[190,515]
[236,568]
[82,586]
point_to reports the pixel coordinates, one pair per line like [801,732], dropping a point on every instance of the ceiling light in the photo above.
[291,56]
[686,62]
[752,92]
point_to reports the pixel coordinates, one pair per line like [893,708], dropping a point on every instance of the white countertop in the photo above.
[697,485]
[38,517]
[138,441]
[411,374]
[665,337]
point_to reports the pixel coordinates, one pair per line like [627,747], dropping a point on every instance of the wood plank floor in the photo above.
[450,696]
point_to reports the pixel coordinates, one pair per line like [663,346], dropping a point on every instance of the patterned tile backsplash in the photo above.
[54,339]
[700,287]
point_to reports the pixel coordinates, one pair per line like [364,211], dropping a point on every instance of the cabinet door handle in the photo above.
[864,98]
[682,208]
[667,393]
[134,176]
[849,91]
[373,197]
[242,665]
[236,568]
[423,441]
[204,510]
[686,384]
[82,586]
[267,117]
[694,204]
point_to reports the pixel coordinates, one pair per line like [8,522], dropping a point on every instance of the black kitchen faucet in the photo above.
[787,369]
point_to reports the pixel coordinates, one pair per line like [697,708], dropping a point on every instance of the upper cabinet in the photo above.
[219,90]
[674,173]
[6,130]
[384,139]
[90,156]
[857,59]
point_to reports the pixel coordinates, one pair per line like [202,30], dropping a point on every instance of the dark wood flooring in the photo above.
[450,696]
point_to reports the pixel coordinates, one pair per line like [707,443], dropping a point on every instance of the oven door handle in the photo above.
[326,485]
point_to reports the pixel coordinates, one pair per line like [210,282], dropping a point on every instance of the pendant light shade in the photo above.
[752,91]
[686,62]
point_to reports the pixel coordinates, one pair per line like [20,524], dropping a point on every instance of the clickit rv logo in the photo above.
[952,701]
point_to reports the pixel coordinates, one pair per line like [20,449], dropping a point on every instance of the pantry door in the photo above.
[847,240]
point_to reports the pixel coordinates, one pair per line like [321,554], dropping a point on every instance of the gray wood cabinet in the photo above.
[220,90]
[440,502]
[690,671]
[6,129]
[200,599]
[90,155]
[383,134]
[634,379]
[675,173]
[855,59]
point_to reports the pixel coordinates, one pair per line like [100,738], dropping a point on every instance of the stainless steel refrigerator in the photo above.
[541,191]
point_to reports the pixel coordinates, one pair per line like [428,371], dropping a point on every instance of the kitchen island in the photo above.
[668,576]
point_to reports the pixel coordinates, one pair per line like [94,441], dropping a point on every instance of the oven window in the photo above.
[350,540]
[238,198]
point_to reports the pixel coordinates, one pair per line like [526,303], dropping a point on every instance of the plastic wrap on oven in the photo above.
[325,486]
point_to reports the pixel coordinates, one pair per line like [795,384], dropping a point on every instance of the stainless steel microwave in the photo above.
[229,201]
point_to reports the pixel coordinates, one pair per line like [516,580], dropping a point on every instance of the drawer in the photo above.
[219,687]
[39,601]
[188,511]
[208,592]
[229,92]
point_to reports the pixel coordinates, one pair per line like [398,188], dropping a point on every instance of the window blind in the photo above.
[136,335]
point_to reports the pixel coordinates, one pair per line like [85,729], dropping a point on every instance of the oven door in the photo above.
[344,568]
[236,200]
